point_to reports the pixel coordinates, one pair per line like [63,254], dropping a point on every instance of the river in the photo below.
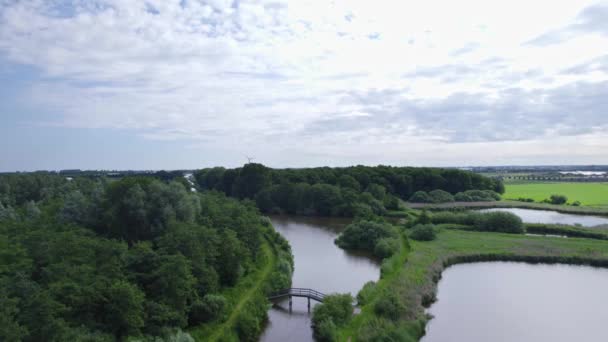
[320,265]
[507,301]
[553,217]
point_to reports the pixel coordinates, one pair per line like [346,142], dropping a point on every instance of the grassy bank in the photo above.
[247,303]
[417,269]
[582,210]
[589,194]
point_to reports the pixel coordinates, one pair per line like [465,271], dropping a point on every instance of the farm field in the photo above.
[590,194]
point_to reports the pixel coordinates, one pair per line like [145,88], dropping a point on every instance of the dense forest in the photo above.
[91,259]
[348,191]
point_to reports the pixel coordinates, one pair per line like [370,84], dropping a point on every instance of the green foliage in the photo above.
[421,197]
[423,232]
[440,196]
[335,311]
[498,221]
[385,247]
[389,305]
[338,191]
[558,199]
[210,308]
[90,260]
[477,196]
[376,237]
[366,293]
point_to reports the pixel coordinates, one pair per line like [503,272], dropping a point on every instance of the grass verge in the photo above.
[418,269]
[582,210]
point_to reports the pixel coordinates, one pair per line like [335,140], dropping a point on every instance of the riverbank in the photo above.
[415,281]
[580,210]
[247,301]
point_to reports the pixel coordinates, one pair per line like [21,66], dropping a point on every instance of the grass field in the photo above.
[415,282]
[592,194]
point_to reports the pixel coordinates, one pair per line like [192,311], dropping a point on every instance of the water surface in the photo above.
[320,265]
[553,217]
[507,301]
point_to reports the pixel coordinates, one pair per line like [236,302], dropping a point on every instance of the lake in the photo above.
[553,217]
[507,301]
[320,265]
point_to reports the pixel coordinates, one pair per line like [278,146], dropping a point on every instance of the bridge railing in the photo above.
[296,291]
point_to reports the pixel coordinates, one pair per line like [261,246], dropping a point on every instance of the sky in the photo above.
[191,84]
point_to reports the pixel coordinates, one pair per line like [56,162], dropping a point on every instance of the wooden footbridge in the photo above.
[297,292]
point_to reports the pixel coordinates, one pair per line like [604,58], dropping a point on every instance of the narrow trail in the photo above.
[261,279]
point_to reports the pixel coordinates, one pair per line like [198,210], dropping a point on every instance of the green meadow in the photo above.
[591,194]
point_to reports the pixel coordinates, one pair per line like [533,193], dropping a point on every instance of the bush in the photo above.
[364,235]
[465,218]
[389,306]
[558,199]
[576,203]
[440,196]
[421,197]
[335,311]
[477,196]
[499,221]
[366,293]
[386,247]
[523,199]
[423,232]
[423,218]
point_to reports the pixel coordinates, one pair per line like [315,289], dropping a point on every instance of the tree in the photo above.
[251,179]
[123,308]
[347,181]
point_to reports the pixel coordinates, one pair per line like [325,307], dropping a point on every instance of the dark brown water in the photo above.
[320,265]
[553,217]
[506,301]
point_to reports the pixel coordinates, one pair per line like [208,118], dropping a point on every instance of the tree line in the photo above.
[346,191]
[99,260]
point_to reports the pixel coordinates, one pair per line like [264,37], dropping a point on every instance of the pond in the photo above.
[553,217]
[319,265]
[507,301]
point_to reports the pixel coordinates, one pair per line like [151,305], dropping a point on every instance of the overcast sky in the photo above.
[188,84]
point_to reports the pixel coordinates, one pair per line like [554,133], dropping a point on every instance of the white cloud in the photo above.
[254,73]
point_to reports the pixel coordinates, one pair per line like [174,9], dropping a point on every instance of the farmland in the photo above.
[589,194]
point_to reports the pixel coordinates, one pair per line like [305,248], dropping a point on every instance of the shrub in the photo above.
[499,221]
[440,196]
[389,306]
[576,203]
[462,197]
[365,234]
[523,199]
[366,293]
[558,199]
[391,202]
[423,232]
[477,196]
[336,310]
[421,197]
[465,218]
[386,247]
[423,218]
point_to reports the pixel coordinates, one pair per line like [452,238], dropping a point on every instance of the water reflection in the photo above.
[320,265]
[506,301]
[553,217]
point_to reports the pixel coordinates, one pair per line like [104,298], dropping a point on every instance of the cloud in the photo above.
[592,19]
[315,77]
